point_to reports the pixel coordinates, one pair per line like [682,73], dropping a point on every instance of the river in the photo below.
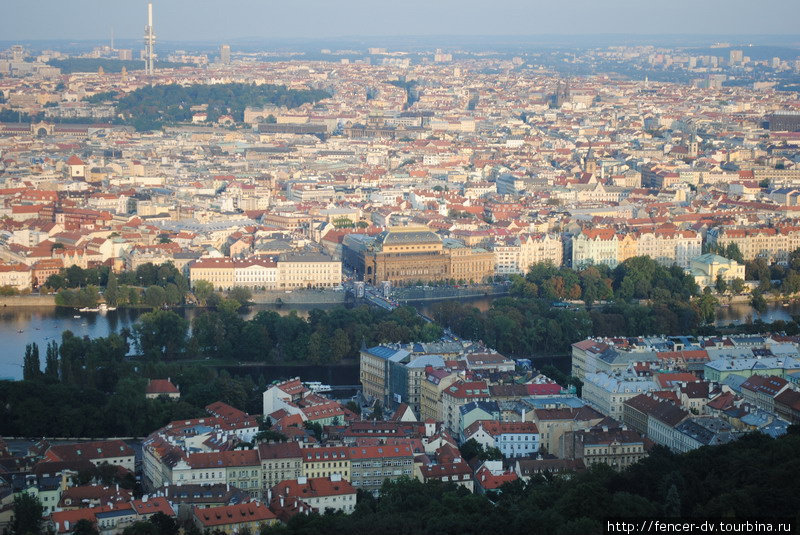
[20,326]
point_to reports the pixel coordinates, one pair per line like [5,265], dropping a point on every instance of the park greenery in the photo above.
[90,388]
[85,387]
[325,337]
[149,285]
[153,106]
[552,307]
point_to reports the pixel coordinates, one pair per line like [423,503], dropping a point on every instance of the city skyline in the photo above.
[180,20]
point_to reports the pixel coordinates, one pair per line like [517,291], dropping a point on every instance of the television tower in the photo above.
[149,41]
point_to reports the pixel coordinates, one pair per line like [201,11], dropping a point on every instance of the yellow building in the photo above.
[308,270]
[706,268]
[430,394]
[618,448]
[406,255]
[326,462]
[219,272]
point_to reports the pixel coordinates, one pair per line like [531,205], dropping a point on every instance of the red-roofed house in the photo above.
[161,387]
[234,518]
[76,168]
[319,492]
[113,452]
[490,476]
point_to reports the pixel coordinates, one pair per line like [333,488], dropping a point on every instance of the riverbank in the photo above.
[28,301]
[300,297]
[436,293]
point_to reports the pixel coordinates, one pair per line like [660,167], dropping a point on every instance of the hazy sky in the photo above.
[196,20]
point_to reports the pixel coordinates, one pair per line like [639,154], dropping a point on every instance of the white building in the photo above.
[607,393]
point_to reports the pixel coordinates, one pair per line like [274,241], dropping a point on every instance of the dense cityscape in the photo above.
[418,288]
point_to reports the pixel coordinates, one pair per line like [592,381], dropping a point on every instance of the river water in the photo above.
[20,326]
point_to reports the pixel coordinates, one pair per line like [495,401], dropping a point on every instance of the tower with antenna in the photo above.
[149,41]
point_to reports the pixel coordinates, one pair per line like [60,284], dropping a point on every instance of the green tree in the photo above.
[155,296]
[111,293]
[721,285]
[733,252]
[165,525]
[240,294]
[31,365]
[75,276]
[85,527]
[707,305]
[737,286]
[758,302]
[353,407]
[161,334]
[202,291]
[141,527]
[51,360]
[339,345]
[377,411]
[672,503]
[56,282]
[28,513]
[172,294]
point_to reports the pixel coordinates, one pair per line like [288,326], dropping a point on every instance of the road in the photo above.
[373,296]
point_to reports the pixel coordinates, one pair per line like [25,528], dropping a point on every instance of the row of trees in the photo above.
[640,277]
[776,277]
[149,285]
[325,337]
[522,327]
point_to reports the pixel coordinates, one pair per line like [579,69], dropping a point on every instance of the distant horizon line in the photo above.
[538,36]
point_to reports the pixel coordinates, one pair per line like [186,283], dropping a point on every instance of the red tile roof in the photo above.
[233,514]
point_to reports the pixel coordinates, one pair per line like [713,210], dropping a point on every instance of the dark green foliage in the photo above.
[85,527]
[241,295]
[163,285]
[529,323]
[165,525]
[325,337]
[636,278]
[152,106]
[472,449]
[269,435]
[516,326]
[78,298]
[377,411]
[31,366]
[111,294]
[28,513]
[161,334]
[758,302]
[315,428]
